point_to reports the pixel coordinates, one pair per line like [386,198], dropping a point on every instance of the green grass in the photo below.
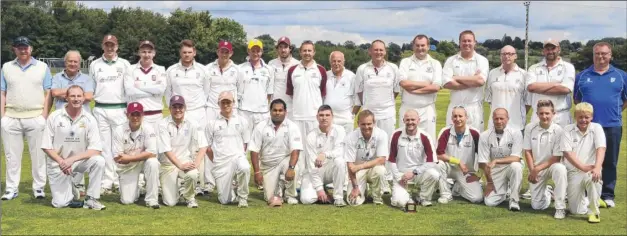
[26,215]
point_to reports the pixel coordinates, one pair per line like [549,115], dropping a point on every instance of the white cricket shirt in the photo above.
[341,96]
[221,80]
[146,86]
[331,144]
[280,78]
[584,145]
[128,142]
[456,65]
[508,90]
[192,83]
[183,140]
[227,138]
[109,79]
[307,85]
[492,147]
[562,73]
[378,86]
[464,150]
[414,69]
[409,152]
[543,143]
[358,150]
[274,145]
[254,87]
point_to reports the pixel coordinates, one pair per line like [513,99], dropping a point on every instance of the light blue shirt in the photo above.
[47,77]
[62,81]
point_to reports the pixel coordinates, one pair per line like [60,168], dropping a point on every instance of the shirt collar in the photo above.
[78,74]
[313,65]
[369,63]
[474,56]
[415,59]
[560,62]
[466,131]
[375,132]
[32,62]
[114,60]
[171,120]
[183,67]
[271,124]
[516,68]
[405,135]
[332,131]
[80,115]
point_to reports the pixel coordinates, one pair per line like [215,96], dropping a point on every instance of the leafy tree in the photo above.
[518,43]
[447,48]
[350,44]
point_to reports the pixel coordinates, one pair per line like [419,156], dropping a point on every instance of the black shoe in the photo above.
[76,204]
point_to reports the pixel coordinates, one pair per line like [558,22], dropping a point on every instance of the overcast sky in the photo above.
[399,22]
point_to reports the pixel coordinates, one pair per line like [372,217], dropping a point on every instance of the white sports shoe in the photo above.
[339,202]
[526,195]
[94,204]
[377,201]
[76,192]
[426,203]
[39,194]
[9,195]
[191,203]
[513,205]
[560,214]
[444,200]
[292,201]
[610,203]
[242,203]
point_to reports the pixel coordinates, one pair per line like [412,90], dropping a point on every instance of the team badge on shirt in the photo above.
[120,70]
[509,145]
[154,77]
[197,74]
[61,125]
[611,79]
[233,73]
[559,72]
[81,125]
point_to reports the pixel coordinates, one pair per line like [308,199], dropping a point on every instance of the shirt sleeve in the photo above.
[200,138]
[48,134]
[206,81]
[3,83]
[437,73]
[245,131]
[397,80]
[165,144]
[130,88]
[624,94]
[382,146]
[310,153]
[517,145]
[296,140]
[359,80]
[403,69]
[255,140]
[556,150]
[338,145]
[484,68]
[599,137]
[89,84]
[447,71]
[56,82]
[483,156]
[566,144]
[93,135]
[151,140]
[209,132]
[47,84]
[270,88]
[569,77]
[576,93]
[531,76]
[117,138]
[350,150]
[168,88]
[527,138]
[488,89]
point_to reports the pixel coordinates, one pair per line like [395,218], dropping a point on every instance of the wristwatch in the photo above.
[292,167]
[415,171]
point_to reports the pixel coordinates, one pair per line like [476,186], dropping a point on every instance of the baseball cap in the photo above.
[255,42]
[285,40]
[134,107]
[21,41]
[177,99]
[146,42]
[225,44]
[551,42]
[225,95]
[109,38]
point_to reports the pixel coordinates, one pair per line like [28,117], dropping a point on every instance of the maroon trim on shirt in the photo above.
[323,81]
[427,145]
[394,146]
[145,71]
[475,139]
[289,85]
[443,142]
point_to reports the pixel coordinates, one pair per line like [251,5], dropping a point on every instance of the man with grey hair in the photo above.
[61,81]
[341,96]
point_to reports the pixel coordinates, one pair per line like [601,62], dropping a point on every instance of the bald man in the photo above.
[412,161]
[499,155]
[341,96]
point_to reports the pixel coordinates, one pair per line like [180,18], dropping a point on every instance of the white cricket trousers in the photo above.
[274,182]
[475,115]
[388,125]
[580,184]
[505,178]
[61,184]
[304,126]
[237,169]
[428,181]
[153,122]
[427,117]
[470,191]
[13,132]
[540,198]
[109,119]
[169,176]
[333,171]
[129,180]
[201,116]
[374,176]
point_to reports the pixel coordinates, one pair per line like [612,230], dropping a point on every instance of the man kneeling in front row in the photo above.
[136,144]
[412,160]
[324,150]
[72,143]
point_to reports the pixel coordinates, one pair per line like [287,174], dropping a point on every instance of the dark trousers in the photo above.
[613,137]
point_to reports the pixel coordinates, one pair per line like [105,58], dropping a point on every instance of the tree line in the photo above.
[55,27]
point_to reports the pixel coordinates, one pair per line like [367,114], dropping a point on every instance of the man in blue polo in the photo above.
[605,87]
[24,106]
[72,75]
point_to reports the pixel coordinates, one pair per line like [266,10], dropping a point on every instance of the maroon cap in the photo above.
[134,107]
[285,40]
[109,38]
[177,99]
[146,42]
[225,44]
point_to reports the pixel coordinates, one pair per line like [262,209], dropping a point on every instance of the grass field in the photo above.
[26,215]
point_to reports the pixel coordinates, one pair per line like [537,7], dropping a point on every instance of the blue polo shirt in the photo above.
[62,81]
[47,77]
[606,93]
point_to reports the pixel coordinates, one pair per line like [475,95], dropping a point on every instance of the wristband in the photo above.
[453,160]
[292,167]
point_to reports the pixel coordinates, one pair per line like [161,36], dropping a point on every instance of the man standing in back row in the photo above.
[341,92]
[109,73]
[465,74]
[281,65]
[24,114]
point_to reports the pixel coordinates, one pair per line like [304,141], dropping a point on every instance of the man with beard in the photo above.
[324,155]
[274,148]
[281,65]
[465,74]
[421,79]
[499,155]
[605,87]
[227,136]
[341,96]
[365,152]
[109,73]
[72,142]
[412,161]
[552,79]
